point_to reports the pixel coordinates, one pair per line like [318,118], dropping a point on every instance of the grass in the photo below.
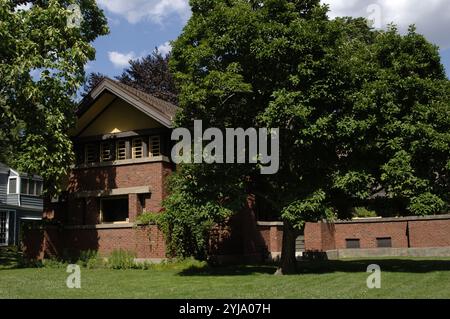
[401,278]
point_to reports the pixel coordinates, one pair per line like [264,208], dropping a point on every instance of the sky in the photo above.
[139,26]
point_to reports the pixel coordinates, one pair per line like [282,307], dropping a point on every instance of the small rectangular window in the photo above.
[114,210]
[39,187]
[12,186]
[352,243]
[121,150]
[384,242]
[90,153]
[137,149]
[106,152]
[32,188]
[24,182]
[154,146]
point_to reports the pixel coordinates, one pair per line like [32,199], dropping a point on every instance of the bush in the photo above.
[90,259]
[121,259]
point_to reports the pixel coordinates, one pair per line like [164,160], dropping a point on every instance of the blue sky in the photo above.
[138,26]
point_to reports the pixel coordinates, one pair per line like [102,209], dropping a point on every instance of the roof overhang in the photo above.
[104,94]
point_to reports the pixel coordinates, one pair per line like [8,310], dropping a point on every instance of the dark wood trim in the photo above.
[135,133]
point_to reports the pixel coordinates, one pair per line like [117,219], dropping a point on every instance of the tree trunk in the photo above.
[288,262]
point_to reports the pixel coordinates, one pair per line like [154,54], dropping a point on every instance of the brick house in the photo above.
[122,145]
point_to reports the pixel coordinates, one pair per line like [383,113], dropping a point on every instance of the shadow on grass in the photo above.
[323,267]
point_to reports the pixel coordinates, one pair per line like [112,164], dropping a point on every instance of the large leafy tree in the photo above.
[149,74]
[43,51]
[361,112]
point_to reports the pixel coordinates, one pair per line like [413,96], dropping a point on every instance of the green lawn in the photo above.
[402,278]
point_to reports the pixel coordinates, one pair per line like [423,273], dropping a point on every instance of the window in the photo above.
[32,187]
[106,151]
[4,225]
[137,149]
[24,186]
[12,187]
[352,243]
[114,210]
[384,242]
[154,146]
[121,150]
[39,188]
[90,153]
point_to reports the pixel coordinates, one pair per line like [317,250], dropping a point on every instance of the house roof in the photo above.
[160,110]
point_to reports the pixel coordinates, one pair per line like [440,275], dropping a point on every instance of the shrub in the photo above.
[121,259]
[90,259]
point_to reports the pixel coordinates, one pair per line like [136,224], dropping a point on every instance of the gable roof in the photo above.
[160,110]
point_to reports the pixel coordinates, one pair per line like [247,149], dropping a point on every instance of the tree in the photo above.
[360,111]
[150,74]
[42,59]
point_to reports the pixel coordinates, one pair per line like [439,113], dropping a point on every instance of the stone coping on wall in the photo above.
[370,220]
[426,252]
[124,162]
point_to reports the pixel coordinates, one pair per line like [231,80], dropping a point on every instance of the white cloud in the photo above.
[432,17]
[154,10]
[121,60]
[165,48]
[23,7]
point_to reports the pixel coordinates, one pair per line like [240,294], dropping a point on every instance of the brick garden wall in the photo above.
[144,241]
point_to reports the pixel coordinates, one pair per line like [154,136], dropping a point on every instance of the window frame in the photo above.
[133,148]
[102,200]
[94,149]
[111,147]
[118,142]
[17,191]
[352,240]
[380,239]
[151,140]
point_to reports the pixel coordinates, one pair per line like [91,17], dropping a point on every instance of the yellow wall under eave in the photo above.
[120,117]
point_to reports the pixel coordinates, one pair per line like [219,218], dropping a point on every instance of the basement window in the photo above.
[352,243]
[384,242]
[114,210]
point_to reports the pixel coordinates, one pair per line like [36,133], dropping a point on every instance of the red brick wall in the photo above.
[422,233]
[146,242]
[431,233]
[367,233]
[85,211]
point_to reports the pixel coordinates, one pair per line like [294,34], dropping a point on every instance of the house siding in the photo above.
[3,187]
[32,202]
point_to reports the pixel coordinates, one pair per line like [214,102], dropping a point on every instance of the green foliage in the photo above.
[42,67]
[360,112]
[193,208]
[362,212]
[121,259]
[90,259]
[147,218]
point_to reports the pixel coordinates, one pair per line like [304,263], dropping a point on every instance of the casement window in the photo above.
[30,187]
[137,148]
[154,146]
[4,227]
[121,150]
[90,155]
[12,185]
[384,242]
[24,183]
[106,152]
[39,188]
[114,210]
[352,243]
